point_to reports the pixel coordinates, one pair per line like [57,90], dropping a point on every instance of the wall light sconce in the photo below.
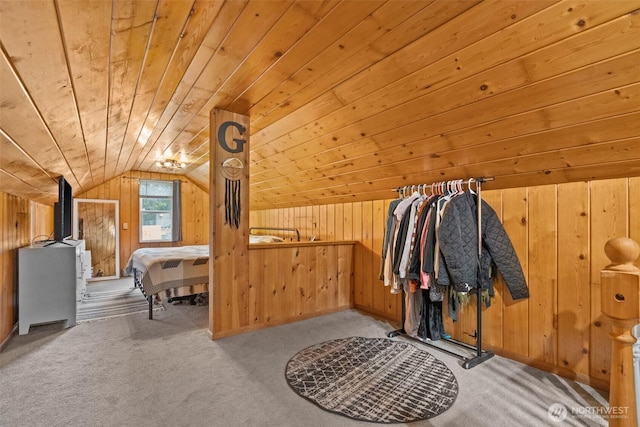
[170,164]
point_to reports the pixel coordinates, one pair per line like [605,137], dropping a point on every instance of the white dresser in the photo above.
[51,280]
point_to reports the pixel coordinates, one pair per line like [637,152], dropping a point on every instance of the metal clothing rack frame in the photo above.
[480,354]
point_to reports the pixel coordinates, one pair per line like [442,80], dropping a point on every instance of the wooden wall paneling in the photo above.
[323,222]
[492,317]
[296,290]
[391,301]
[366,290]
[315,222]
[270,288]
[134,212]
[346,275]
[41,221]
[6,270]
[348,226]
[331,222]
[257,294]
[339,222]
[15,232]
[310,281]
[516,333]
[328,265]
[574,296]
[359,268]
[378,218]
[125,217]
[315,280]
[543,339]
[634,211]
[608,214]
[187,211]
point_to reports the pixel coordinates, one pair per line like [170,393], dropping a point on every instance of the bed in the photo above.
[170,273]
[180,272]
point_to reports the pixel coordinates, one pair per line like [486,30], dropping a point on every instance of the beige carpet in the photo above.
[131,371]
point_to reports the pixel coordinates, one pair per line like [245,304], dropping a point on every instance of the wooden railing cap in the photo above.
[622,251]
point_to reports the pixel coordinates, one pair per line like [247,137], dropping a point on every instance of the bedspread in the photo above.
[160,269]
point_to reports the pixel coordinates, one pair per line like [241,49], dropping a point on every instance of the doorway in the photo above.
[97,222]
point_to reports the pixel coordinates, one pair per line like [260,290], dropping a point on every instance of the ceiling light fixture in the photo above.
[170,164]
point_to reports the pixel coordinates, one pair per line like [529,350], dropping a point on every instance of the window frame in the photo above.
[141,211]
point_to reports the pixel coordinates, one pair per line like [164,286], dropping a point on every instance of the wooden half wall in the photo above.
[21,221]
[559,232]
[287,282]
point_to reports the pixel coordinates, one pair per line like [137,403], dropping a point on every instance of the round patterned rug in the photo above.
[373,379]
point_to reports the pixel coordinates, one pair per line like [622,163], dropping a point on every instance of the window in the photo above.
[160,211]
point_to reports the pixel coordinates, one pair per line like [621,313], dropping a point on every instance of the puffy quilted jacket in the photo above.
[459,246]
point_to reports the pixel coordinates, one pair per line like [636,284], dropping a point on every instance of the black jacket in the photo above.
[458,238]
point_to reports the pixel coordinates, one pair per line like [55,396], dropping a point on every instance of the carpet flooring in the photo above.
[100,305]
[132,371]
[373,379]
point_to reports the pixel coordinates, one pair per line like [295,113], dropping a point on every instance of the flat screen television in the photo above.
[62,211]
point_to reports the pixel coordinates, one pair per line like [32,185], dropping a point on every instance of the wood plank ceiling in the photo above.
[347,99]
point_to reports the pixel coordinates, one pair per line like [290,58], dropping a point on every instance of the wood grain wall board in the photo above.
[359,256]
[229,282]
[26,172]
[402,96]
[634,211]
[11,184]
[574,297]
[277,40]
[365,292]
[16,218]
[249,28]
[257,296]
[169,21]
[6,270]
[346,276]
[293,25]
[582,82]
[461,31]
[301,63]
[557,144]
[132,25]
[492,317]
[521,176]
[378,291]
[34,46]
[86,29]
[543,335]
[348,55]
[172,98]
[609,219]
[35,140]
[516,332]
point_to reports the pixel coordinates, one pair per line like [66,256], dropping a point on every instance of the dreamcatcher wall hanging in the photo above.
[232,170]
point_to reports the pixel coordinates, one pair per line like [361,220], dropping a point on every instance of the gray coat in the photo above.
[458,239]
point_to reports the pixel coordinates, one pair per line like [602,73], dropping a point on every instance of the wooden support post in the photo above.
[229,222]
[620,282]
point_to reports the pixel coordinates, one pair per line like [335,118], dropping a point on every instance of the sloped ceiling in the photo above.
[347,99]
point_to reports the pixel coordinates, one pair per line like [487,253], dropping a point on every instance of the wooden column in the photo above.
[229,221]
[620,284]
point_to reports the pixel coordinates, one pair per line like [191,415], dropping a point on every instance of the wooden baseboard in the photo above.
[563,372]
[256,327]
[8,337]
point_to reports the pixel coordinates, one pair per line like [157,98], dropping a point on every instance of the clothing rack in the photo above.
[480,355]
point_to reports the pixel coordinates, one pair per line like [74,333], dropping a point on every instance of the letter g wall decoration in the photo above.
[222,137]
[232,169]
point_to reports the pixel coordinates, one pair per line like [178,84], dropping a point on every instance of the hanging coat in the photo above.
[458,239]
